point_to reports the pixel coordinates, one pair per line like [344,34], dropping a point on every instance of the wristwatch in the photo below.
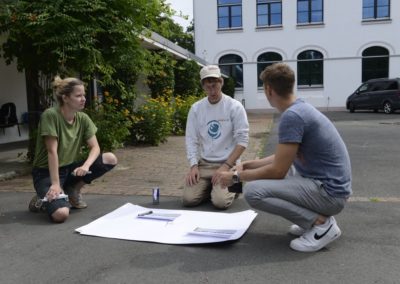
[236,177]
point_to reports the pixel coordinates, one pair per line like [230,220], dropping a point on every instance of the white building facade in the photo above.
[332,45]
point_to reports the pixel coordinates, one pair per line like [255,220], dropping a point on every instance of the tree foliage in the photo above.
[187,79]
[161,79]
[173,31]
[96,39]
[89,37]
[229,87]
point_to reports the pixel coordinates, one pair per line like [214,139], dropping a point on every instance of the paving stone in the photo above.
[144,167]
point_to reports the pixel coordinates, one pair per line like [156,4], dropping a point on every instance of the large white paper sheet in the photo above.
[123,223]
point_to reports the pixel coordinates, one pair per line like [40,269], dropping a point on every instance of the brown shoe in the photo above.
[76,201]
[35,205]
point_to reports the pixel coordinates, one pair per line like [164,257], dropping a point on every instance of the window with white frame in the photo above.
[229,14]
[269,13]
[232,66]
[310,11]
[263,61]
[376,9]
[375,63]
[310,69]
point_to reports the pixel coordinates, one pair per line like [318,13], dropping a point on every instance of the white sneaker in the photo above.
[296,230]
[317,237]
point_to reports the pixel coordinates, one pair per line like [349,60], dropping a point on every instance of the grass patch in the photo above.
[374,199]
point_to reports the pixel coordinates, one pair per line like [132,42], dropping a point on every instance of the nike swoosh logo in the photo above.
[317,237]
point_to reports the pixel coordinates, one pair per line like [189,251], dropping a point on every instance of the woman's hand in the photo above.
[54,191]
[81,171]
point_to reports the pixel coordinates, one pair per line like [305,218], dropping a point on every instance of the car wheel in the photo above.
[387,107]
[351,107]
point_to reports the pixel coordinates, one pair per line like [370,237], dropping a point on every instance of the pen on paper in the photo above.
[145,213]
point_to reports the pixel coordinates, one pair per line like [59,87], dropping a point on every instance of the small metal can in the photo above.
[156,195]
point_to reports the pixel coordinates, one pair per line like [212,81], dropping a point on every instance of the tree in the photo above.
[58,36]
[187,79]
[175,33]
[98,38]
[161,79]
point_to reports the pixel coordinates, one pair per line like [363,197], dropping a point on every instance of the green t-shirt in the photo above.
[70,137]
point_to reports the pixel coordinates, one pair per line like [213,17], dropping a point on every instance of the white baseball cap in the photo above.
[210,71]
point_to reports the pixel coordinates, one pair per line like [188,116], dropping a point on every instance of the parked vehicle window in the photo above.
[363,88]
[378,86]
[392,86]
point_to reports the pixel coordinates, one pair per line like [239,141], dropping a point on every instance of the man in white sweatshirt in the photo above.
[217,133]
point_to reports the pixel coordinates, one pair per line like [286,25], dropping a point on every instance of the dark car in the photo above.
[376,94]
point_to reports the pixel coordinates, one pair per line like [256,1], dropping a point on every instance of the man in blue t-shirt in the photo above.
[308,179]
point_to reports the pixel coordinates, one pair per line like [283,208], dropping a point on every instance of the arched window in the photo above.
[375,63]
[264,60]
[232,66]
[310,68]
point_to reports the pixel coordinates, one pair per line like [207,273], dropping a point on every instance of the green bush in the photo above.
[229,87]
[161,79]
[112,121]
[152,122]
[181,107]
[187,78]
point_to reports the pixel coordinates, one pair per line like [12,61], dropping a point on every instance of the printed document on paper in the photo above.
[169,226]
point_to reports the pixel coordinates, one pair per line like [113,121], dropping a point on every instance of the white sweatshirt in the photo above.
[213,130]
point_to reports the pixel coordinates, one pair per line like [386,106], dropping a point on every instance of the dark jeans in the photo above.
[42,181]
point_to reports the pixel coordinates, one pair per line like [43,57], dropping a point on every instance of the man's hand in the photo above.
[193,176]
[239,167]
[224,168]
[225,178]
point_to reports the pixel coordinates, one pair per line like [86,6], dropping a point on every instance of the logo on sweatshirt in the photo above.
[214,129]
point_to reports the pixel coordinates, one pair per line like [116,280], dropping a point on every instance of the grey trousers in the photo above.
[297,199]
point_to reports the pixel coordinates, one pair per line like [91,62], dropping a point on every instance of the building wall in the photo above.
[341,39]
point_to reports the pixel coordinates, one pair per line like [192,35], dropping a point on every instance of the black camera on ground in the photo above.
[236,187]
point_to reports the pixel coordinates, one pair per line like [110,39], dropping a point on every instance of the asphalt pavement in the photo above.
[36,251]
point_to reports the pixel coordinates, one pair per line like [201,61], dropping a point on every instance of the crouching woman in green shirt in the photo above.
[56,169]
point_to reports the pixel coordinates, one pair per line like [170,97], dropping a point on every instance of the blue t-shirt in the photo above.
[322,153]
